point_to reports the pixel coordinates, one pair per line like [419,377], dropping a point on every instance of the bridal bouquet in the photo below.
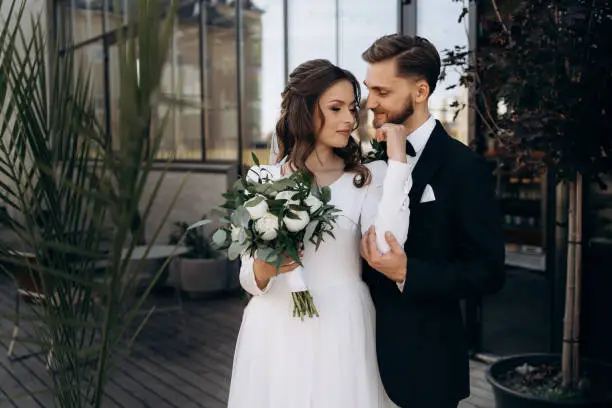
[272,219]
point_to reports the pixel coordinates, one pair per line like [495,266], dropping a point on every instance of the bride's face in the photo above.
[335,118]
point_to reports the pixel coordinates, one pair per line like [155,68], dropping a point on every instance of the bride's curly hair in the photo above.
[295,129]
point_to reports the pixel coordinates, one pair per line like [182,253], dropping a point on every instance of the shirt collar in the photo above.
[419,137]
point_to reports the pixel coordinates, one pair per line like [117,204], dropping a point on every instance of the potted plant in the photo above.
[547,64]
[203,270]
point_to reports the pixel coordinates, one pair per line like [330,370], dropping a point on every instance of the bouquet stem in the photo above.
[303,305]
[302,300]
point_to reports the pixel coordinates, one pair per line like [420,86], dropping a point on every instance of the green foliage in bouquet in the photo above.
[272,217]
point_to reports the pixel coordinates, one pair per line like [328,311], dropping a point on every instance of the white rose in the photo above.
[267,226]
[313,202]
[295,225]
[259,210]
[286,195]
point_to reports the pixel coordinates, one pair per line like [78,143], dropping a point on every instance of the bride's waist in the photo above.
[320,281]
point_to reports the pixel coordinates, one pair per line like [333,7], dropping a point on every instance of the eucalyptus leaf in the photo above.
[283,184]
[262,188]
[254,201]
[310,229]
[198,224]
[267,254]
[238,185]
[255,159]
[241,217]
[235,250]
[219,238]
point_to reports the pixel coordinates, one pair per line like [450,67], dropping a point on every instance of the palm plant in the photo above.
[56,160]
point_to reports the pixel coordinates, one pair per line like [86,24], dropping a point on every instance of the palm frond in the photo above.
[72,192]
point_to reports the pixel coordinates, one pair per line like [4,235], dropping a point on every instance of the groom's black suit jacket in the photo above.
[455,250]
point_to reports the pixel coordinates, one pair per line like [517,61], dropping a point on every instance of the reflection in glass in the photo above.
[221,100]
[181,79]
[360,24]
[85,19]
[264,74]
[202,67]
[437,21]
[312,31]
[92,57]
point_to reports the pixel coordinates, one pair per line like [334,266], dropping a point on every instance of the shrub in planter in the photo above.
[535,381]
[203,270]
[547,63]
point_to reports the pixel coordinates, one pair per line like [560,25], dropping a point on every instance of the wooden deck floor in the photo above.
[164,370]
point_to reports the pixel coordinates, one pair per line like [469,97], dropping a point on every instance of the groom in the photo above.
[454,249]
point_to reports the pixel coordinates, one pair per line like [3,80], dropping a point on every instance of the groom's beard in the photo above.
[397,118]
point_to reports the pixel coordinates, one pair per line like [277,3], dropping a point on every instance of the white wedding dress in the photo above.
[328,361]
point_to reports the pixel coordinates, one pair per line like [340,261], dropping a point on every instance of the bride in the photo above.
[328,361]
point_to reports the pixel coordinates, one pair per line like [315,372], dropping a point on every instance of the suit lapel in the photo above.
[430,161]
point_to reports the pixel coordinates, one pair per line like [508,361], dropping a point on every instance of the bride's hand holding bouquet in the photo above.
[271,220]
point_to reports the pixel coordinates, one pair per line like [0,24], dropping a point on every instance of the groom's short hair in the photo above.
[415,56]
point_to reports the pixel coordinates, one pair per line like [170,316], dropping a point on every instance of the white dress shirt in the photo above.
[418,138]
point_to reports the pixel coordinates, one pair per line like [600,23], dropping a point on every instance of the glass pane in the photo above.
[91,57]
[312,31]
[354,40]
[85,19]
[181,78]
[114,90]
[437,21]
[182,138]
[264,74]
[221,102]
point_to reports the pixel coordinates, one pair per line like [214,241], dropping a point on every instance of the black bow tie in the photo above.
[410,149]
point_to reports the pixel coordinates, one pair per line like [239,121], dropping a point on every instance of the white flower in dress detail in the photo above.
[313,203]
[297,224]
[267,226]
[258,210]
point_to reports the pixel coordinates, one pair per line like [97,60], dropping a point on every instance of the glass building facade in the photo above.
[232,58]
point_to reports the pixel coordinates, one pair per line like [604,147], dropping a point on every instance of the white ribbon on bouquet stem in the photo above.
[295,280]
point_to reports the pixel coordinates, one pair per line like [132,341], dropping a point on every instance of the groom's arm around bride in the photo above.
[476,267]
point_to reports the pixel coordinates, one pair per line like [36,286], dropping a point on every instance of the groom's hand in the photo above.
[395,136]
[392,264]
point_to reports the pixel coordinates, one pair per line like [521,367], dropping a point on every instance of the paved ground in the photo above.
[165,370]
